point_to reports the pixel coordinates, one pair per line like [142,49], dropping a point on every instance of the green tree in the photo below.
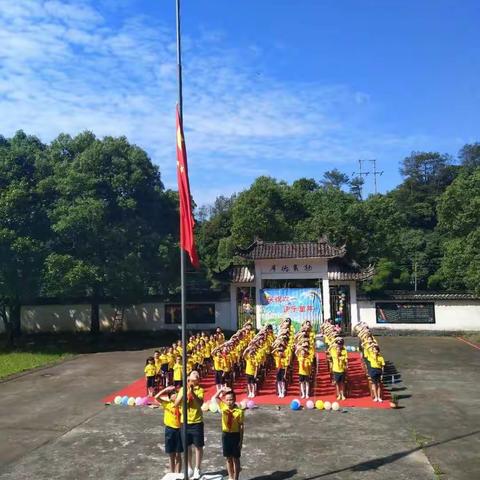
[334,178]
[470,155]
[459,222]
[113,223]
[23,226]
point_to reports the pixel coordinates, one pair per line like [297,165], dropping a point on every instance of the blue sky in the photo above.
[286,88]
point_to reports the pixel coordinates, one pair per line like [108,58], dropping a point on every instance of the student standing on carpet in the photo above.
[195,428]
[171,420]
[232,430]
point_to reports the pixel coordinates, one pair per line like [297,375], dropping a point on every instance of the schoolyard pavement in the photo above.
[53,425]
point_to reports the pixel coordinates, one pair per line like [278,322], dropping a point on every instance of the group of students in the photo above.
[165,367]
[373,360]
[232,424]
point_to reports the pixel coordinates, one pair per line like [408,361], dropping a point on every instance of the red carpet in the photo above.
[358,393]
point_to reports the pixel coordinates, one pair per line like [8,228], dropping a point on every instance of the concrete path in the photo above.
[53,425]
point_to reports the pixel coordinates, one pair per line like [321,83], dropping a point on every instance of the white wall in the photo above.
[449,315]
[55,318]
[76,318]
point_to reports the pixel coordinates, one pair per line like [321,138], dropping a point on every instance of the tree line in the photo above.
[427,229]
[83,217]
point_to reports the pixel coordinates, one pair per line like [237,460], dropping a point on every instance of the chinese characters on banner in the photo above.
[299,304]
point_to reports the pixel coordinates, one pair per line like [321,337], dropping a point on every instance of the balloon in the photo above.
[295,404]
[145,401]
[117,400]
[310,404]
[251,404]
[213,407]
[124,401]
[319,404]
[206,406]
[243,404]
[327,405]
[319,344]
[131,402]
[139,401]
[335,406]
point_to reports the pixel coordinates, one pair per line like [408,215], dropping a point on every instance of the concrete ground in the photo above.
[53,425]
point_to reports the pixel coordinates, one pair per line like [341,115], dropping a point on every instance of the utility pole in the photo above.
[415,275]
[361,173]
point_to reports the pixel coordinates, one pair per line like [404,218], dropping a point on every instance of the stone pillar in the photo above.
[353,305]
[258,287]
[233,307]
[326,298]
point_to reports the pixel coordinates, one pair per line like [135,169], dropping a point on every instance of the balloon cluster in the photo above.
[295,404]
[341,308]
[131,401]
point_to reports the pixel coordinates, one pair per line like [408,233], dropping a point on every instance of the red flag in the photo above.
[187,222]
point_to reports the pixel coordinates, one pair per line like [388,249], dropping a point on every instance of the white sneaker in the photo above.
[196,474]
[379,400]
[190,472]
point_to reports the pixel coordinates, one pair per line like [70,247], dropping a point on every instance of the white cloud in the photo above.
[63,68]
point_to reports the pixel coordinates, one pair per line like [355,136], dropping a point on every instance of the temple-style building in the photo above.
[316,265]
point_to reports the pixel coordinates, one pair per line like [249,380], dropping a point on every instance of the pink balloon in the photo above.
[250,404]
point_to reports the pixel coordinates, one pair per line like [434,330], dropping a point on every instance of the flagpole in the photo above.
[182,265]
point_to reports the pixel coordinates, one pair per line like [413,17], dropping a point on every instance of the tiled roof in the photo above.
[241,275]
[343,269]
[419,295]
[275,250]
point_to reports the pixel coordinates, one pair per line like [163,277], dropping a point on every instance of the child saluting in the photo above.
[232,430]
[171,419]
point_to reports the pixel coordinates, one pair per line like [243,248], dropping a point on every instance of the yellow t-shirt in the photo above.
[217,362]
[194,410]
[232,418]
[150,370]
[177,372]
[339,363]
[163,359]
[170,360]
[250,365]
[225,363]
[171,414]
[304,365]
[376,361]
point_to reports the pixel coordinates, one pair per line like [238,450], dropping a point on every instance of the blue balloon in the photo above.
[294,404]
[125,400]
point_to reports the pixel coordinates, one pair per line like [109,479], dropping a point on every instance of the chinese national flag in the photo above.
[186,218]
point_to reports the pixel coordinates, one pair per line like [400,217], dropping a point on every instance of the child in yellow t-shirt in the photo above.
[177,372]
[232,430]
[150,373]
[171,419]
[251,372]
[377,364]
[304,371]
[339,361]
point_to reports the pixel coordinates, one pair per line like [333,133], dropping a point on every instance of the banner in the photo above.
[299,304]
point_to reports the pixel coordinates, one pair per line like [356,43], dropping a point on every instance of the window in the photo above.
[406,312]
[196,313]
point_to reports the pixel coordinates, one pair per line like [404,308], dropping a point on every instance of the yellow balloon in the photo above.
[319,404]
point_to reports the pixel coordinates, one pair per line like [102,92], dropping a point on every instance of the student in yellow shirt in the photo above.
[232,430]
[195,428]
[177,372]
[377,364]
[217,366]
[171,419]
[281,364]
[250,372]
[150,373]
[304,371]
[339,368]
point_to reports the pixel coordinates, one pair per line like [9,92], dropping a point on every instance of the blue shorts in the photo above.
[339,377]
[231,444]
[195,434]
[376,375]
[173,440]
